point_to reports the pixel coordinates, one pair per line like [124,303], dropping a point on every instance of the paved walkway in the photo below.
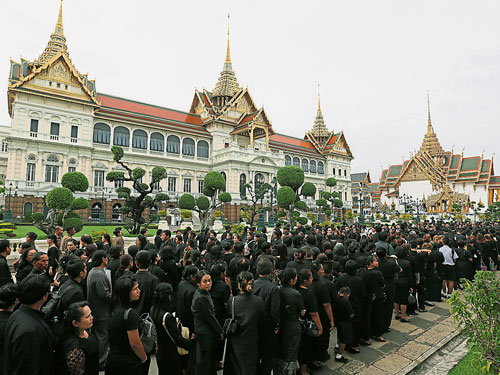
[407,345]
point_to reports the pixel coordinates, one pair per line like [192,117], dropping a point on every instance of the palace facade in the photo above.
[438,180]
[61,123]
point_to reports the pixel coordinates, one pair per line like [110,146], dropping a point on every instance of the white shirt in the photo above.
[449,255]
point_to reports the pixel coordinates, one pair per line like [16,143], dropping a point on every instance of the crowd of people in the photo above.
[244,303]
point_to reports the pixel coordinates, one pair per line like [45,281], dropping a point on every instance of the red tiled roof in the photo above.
[148,109]
[292,141]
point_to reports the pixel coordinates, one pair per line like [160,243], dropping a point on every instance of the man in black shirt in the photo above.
[298,263]
[343,318]
[5,275]
[269,292]
[72,290]
[29,343]
[53,252]
[389,270]
[147,282]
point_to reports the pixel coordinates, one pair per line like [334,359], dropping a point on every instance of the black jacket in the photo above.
[29,344]
[5,276]
[184,300]
[205,322]
[71,292]
[269,292]
[147,284]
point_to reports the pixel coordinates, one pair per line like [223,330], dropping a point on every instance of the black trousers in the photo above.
[267,350]
[205,356]
[377,321]
[388,306]
[366,320]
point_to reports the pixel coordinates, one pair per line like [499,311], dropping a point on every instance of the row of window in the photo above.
[121,137]
[306,165]
[54,130]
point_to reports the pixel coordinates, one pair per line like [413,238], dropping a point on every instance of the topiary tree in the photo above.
[254,195]
[291,180]
[135,202]
[62,204]
[213,197]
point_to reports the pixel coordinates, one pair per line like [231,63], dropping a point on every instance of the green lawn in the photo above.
[467,366]
[21,231]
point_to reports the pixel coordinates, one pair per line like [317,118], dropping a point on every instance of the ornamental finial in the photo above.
[59,25]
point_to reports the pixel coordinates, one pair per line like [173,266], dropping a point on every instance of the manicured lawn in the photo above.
[21,231]
[467,366]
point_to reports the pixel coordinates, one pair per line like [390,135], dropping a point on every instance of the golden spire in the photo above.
[319,129]
[319,104]
[57,42]
[227,85]
[430,143]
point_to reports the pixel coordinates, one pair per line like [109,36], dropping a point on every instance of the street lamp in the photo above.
[274,188]
[102,219]
[405,201]
[8,213]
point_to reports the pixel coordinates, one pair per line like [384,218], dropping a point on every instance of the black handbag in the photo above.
[230,324]
[309,328]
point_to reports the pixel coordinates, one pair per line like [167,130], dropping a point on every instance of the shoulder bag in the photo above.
[184,331]
[230,324]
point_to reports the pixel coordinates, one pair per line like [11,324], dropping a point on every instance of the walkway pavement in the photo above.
[408,344]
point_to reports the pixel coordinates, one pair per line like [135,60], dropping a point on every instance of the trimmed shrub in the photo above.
[302,220]
[59,198]
[331,181]
[203,203]
[186,202]
[76,222]
[290,176]
[301,205]
[308,189]
[79,204]
[225,197]
[75,181]
[285,197]
[214,180]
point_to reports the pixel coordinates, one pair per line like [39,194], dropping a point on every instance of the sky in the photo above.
[375,61]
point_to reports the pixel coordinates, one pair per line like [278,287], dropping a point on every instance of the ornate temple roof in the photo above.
[227,85]
[431,144]
[319,129]
[56,44]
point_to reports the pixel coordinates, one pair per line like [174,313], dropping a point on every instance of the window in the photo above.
[187,185]
[345,172]
[121,136]
[156,186]
[321,167]
[51,173]
[33,127]
[312,166]
[200,186]
[288,160]
[243,188]
[173,144]
[54,131]
[157,142]
[296,162]
[305,165]
[72,165]
[172,181]
[5,145]
[99,178]
[30,172]
[258,181]
[334,171]
[27,208]
[140,139]
[188,147]
[74,133]
[340,172]
[102,133]
[203,149]
[118,184]
[71,169]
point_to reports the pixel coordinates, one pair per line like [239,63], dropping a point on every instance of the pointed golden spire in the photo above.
[430,143]
[319,104]
[227,85]
[57,42]
[319,130]
[430,129]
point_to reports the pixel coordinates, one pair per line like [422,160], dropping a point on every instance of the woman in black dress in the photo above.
[307,347]
[207,329]
[126,352]
[464,264]
[281,259]
[79,348]
[242,353]
[169,338]
[402,284]
[291,308]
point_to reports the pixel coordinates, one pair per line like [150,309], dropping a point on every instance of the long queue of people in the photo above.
[201,302]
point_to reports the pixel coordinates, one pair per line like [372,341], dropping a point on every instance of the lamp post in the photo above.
[418,204]
[361,217]
[274,188]
[8,213]
[405,201]
[102,218]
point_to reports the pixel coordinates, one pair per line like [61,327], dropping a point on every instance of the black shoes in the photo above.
[341,359]
[430,304]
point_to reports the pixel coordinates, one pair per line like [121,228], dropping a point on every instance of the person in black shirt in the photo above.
[126,352]
[54,253]
[126,263]
[184,297]
[403,284]
[115,252]
[25,264]
[79,348]
[343,318]
[147,283]
[5,276]
[298,263]
[27,332]
[169,267]
[8,301]
[72,290]
[269,292]
[374,282]
[389,270]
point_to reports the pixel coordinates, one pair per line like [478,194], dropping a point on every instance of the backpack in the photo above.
[53,312]
[184,331]
[147,329]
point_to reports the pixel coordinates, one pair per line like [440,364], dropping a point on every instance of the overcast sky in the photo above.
[374,60]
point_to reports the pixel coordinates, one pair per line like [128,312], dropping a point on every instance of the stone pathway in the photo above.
[408,344]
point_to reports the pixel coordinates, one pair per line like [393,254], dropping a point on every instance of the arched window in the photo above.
[95,211]
[27,208]
[102,133]
[296,162]
[288,160]
[140,139]
[312,166]
[121,136]
[115,212]
[225,179]
[305,165]
[52,169]
[321,167]
[258,181]
[188,147]
[203,149]
[173,144]
[157,142]
[243,188]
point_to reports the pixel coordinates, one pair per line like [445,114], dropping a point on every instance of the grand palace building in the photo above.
[61,123]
